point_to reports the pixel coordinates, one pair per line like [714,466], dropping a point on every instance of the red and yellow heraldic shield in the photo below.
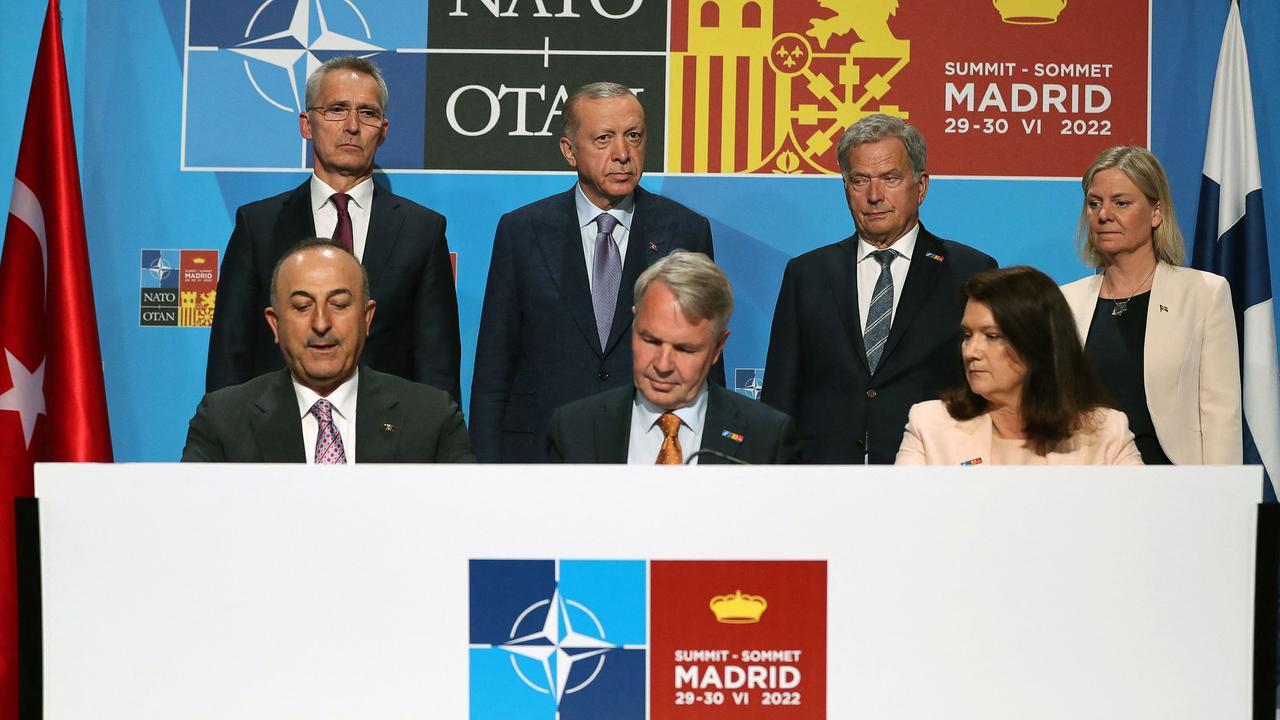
[738,639]
[1001,88]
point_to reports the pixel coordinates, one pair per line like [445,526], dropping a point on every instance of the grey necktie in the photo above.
[606,277]
[881,311]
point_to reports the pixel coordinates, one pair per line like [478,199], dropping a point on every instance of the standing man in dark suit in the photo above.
[869,326]
[557,306]
[400,243]
[325,408]
[683,304]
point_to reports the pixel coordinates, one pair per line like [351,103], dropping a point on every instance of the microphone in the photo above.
[716,453]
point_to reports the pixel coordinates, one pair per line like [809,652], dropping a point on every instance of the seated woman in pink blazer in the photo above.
[1031,397]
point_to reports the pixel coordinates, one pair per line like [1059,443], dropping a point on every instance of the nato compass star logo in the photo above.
[557,650]
[748,381]
[300,42]
[160,270]
[247,63]
[557,639]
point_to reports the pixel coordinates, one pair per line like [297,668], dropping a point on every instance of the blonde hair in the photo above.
[1144,170]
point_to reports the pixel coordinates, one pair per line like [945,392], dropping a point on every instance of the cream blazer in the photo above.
[1191,362]
[933,437]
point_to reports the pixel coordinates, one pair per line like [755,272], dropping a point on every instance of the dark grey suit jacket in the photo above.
[396,421]
[415,330]
[816,370]
[598,430]
[538,346]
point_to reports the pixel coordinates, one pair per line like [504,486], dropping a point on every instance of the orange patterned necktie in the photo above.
[670,453]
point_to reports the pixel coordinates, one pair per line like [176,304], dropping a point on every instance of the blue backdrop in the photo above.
[125,61]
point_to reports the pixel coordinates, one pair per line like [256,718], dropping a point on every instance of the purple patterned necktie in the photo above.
[607,276]
[328,442]
[342,231]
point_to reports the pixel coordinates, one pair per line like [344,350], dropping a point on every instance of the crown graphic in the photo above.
[1029,12]
[197,261]
[738,609]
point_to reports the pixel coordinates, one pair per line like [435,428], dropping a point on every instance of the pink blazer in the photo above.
[933,437]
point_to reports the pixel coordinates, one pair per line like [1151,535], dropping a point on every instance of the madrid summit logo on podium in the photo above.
[574,639]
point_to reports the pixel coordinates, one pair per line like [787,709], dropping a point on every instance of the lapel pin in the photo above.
[975,461]
[1164,308]
[388,427]
[732,436]
[653,246]
[934,257]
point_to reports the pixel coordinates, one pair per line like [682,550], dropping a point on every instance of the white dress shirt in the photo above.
[325,214]
[647,437]
[869,271]
[587,213]
[343,400]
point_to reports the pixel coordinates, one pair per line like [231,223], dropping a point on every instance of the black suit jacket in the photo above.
[415,329]
[816,370]
[538,346]
[598,430]
[396,421]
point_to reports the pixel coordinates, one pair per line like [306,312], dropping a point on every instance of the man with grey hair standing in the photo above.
[557,305]
[867,327]
[401,244]
[683,304]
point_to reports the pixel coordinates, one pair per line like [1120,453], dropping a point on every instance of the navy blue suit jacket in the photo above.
[538,347]
[598,430]
[415,329]
[816,370]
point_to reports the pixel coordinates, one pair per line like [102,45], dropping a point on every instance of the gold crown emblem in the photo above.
[197,261]
[738,609]
[1029,12]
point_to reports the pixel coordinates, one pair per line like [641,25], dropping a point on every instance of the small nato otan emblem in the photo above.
[732,436]
[975,461]
[388,427]
[653,246]
[934,257]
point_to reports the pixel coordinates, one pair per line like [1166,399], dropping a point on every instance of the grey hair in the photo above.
[874,128]
[1142,167]
[591,91]
[312,244]
[354,63]
[701,288]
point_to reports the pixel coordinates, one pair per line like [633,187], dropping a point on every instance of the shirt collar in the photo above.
[587,210]
[361,194]
[905,245]
[343,398]
[691,415]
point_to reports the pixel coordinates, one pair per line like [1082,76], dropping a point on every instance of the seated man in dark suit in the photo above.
[324,407]
[557,305]
[401,244]
[683,304]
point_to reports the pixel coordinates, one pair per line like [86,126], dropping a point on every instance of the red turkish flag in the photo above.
[52,404]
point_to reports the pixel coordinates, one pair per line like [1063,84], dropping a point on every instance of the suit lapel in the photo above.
[844,293]
[378,420]
[611,426]
[385,222]
[646,242]
[295,221]
[277,426]
[1168,332]
[1084,304]
[922,280]
[559,239]
[721,417]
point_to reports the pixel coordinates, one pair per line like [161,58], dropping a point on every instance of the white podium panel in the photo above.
[222,591]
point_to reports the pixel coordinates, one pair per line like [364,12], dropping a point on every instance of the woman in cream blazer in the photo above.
[1190,359]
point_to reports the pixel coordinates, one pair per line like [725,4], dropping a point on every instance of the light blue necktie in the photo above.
[880,313]
[606,277]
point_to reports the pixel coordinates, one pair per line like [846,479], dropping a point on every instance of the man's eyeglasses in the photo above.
[338,113]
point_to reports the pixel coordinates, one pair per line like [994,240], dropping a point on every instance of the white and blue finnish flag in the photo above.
[1231,240]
